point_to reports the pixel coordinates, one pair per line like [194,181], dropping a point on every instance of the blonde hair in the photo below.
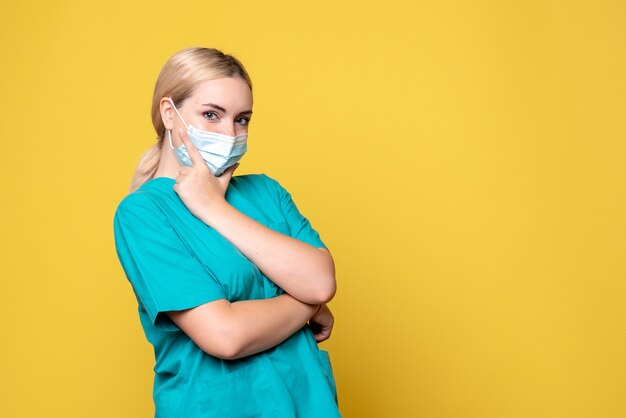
[178,78]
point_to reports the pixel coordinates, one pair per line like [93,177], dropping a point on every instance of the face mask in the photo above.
[218,151]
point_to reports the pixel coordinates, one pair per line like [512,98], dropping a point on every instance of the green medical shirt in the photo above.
[174,261]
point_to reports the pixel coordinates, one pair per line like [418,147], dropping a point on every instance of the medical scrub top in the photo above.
[174,261]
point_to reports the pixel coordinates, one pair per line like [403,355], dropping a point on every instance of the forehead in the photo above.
[232,93]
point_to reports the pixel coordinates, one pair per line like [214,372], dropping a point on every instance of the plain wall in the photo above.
[463,161]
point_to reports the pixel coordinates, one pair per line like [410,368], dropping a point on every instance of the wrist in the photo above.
[319,308]
[212,213]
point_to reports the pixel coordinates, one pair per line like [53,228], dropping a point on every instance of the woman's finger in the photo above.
[194,154]
[323,335]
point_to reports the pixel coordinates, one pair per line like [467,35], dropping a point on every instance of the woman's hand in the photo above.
[322,323]
[197,187]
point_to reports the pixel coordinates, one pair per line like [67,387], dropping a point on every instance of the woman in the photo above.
[231,280]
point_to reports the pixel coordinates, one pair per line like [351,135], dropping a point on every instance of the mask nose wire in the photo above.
[174,106]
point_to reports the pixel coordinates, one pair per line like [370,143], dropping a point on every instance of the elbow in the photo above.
[327,287]
[330,291]
[214,328]
[222,349]
[325,292]
[226,349]
[317,293]
[224,343]
[228,352]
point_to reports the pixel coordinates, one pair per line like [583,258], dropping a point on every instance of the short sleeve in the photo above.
[164,274]
[299,226]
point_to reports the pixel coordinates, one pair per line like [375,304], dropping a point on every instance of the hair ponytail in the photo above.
[147,166]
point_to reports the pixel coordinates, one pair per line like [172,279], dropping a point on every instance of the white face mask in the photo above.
[218,151]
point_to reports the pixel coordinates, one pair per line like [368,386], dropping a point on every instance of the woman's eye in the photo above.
[210,115]
[242,121]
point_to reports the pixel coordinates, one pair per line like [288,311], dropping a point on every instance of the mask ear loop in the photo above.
[181,118]
[169,135]
[169,131]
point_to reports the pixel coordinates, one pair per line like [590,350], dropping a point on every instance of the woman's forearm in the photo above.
[305,272]
[238,329]
[262,324]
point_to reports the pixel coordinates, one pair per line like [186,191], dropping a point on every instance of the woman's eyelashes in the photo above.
[214,116]
[243,120]
[210,115]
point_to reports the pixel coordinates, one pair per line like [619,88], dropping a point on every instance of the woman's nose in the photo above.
[228,128]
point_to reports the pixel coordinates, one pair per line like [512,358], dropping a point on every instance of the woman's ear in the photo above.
[167,113]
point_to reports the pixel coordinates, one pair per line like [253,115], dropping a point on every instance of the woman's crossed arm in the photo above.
[234,330]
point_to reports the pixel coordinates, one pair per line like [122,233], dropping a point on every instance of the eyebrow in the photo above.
[224,110]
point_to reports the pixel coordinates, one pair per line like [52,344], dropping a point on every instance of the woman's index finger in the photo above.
[194,154]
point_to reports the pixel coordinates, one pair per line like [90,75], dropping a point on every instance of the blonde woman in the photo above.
[230,278]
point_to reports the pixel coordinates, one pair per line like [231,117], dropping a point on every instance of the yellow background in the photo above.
[463,160]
